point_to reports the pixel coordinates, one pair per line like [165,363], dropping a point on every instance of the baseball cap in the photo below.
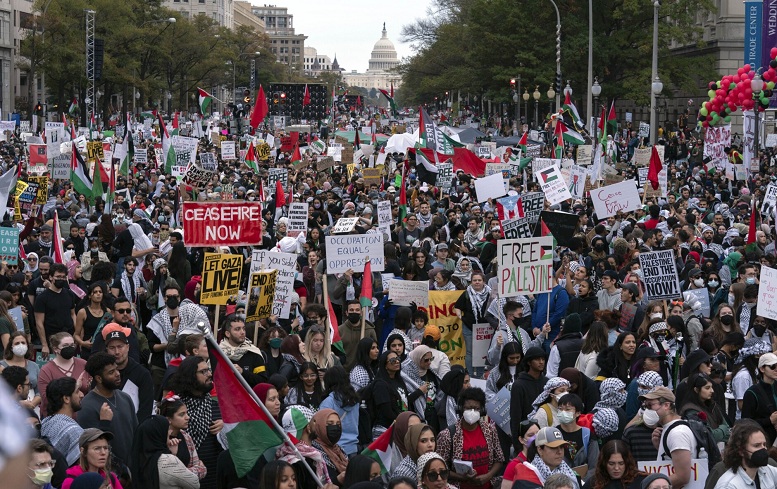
[116,335]
[549,437]
[659,393]
[92,434]
[767,359]
[442,246]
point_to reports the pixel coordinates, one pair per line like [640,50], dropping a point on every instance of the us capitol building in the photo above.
[380,74]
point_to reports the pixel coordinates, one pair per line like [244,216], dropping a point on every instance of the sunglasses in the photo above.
[124,311]
[433,476]
[393,360]
[528,422]
[772,367]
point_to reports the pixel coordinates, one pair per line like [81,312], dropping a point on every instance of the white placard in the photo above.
[298,218]
[767,293]
[770,199]
[553,185]
[286,264]
[585,154]
[344,225]
[350,251]
[384,217]
[403,292]
[490,187]
[228,150]
[699,471]
[621,196]
[525,266]
[481,339]
[660,272]
[60,166]
[577,176]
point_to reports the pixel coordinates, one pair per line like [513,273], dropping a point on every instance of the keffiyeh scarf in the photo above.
[612,392]
[551,385]
[544,471]
[477,299]
[200,413]
[605,422]
[235,353]
[288,455]
[130,291]
[649,379]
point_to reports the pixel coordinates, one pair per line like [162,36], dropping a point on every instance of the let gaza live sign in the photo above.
[222,223]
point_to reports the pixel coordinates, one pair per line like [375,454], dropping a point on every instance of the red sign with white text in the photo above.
[222,223]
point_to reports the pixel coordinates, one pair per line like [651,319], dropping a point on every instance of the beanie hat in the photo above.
[573,323]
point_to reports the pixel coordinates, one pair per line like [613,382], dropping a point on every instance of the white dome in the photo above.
[384,54]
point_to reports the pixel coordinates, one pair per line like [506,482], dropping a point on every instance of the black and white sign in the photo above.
[660,272]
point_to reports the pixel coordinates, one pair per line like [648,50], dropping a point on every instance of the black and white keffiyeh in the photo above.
[200,417]
[605,422]
[612,393]
[477,299]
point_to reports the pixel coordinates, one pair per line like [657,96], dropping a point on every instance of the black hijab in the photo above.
[150,442]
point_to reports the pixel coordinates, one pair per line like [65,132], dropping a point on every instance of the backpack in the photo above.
[367,411]
[703,435]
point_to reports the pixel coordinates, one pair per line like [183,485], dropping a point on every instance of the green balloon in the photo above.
[727,119]
[732,86]
[711,94]
[765,100]
[770,85]
[704,111]
[715,117]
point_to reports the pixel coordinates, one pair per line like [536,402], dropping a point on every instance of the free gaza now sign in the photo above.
[222,223]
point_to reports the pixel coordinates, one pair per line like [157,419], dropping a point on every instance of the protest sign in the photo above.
[325,163]
[767,293]
[577,180]
[770,199]
[228,150]
[336,153]
[498,409]
[530,205]
[346,154]
[642,173]
[525,266]
[484,152]
[562,225]
[660,272]
[9,245]
[344,225]
[490,187]
[716,140]
[553,185]
[17,315]
[55,134]
[700,297]
[481,339]
[644,130]
[539,164]
[350,251]
[403,292]
[585,154]
[222,223]
[520,227]
[261,294]
[642,156]
[286,264]
[185,149]
[699,470]
[371,176]
[445,176]
[440,312]
[384,217]
[277,175]
[140,157]
[621,196]
[220,277]
[7,126]
[60,166]
[263,151]
[207,161]
[298,219]
[94,149]
[196,176]
[43,188]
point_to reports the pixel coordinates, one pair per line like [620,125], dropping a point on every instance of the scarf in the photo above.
[409,374]
[288,455]
[139,237]
[544,471]
[131,292]
[293,360]
[425,221]
[551,385]
[27,267]
[605,422]
[731,262]
[612,392]
[333,454]
[448,286]
[201,414]
[416,355]
[465,277]
[235,353]
[477,299]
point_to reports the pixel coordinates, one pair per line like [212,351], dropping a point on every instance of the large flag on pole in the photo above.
[390,98]
[73,110]
[260,109]
[251,158]
[204,100]
[306,96]
[655,168]
[167,146]
[431,137]
[79,173]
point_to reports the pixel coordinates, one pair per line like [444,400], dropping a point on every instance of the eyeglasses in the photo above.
[205,371]
[313,318]
[32,259]
[45,465]
[393,360]
[433,476]
[124,311]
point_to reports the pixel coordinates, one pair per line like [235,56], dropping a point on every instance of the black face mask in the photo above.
[334,432]
[727,320]
[60,283]
[354,317]
[68,352]
[759,458]
[172,302]
[759,329]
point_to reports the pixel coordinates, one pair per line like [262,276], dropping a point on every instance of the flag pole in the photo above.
[364,309]
[273,423]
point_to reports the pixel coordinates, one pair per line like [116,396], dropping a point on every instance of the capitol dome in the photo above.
[384,55]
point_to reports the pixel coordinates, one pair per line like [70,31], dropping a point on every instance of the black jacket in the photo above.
[140,376]
[759,402]
[585,307]
[525,390]
[568,349]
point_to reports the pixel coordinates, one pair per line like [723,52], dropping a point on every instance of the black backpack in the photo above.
[367,412]
[704,439]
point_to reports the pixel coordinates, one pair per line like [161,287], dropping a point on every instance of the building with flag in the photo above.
[383,62]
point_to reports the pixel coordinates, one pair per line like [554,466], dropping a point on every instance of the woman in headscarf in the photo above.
[730,271]
[328,429]
[297,421]
[401,426]
[416,372]
[31,265]
[463,270]
[143,245]
[433,472]
[451,385]
[546,404]
[605,424]
[583,386]
[419,440]
[390,393]
[152,462]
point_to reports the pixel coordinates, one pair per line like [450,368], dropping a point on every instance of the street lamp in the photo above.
[654,73]
[551,94]
[517,102]
[596,90]
[656,89]
[757,85]
[526,97]
[536,95]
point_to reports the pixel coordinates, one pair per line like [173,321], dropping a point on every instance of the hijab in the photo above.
[453,381]
[400,430]
[732,261]
[149,444]
[333,451]
[417,354]
[261,390]
[411,439]
[27,267]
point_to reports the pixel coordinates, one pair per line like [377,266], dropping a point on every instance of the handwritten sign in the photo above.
[228,150]
[385,218]
[481,339]
[621,197]
[220,277]
[767,293]
[344,225]
[660,272]
[525,266]
[196,176]
[498,409]
[699,471]
[371,176]
[403,292]
[553,185]
[350,251]
[716,140]
[261,295]
[286,264]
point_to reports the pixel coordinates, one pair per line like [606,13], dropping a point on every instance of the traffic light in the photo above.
[246,96]
[512,83]
[283,97]
[558,86]
[39,109]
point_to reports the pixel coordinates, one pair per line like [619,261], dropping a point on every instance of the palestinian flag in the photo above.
[431,137]
[296,156]
[251,158]
[248,426]
[547,251]
[548,174]
[334,328]
[97,179]
[381,449]
[390,99]
[56,241]
[79,173]
[167,146]
[602,128]
[569,135]
[74,109]
[425,169]
[176,129]
[125,151]
[570,111]
[147,114]
[612,121]
[402,199]
[204,99]
[365,299]
[318,146]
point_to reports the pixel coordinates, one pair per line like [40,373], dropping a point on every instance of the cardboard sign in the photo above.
[261,294]
[94,149]
[525,266]
[498,409]
[585,155]
[553,185]
[445,176]
[767,293]
[481,339]
[642,156]
[350,251]
[371,176]
[325,163]
[385,217]
[277,175]
[490,187]
[208,161]
[716,140]
[9,245]
[298,219]
[60,166]
[521,227]
[228,150]
[660,272]
[699,471]
[403,292]
[220,277]
[441,313]
[286,264]
[344,225]
[611,199]
[222,223]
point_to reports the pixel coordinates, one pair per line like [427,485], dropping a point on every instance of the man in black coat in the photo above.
[525,390]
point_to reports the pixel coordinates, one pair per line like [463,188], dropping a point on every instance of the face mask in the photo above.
[713,284]
[164,235]
[699,282]
[317,206]
[252,198]
[334,432]
[731,300]
[471,416]
[43,476]
[565,417]
[60,284]
[656,315]
[68,352]
[275,342]
[650,417]
[750,280]
[172,302]
[19,350]
[759,458]
[759,330]
[727,320]
[638,273]
[354,317]
[530,440]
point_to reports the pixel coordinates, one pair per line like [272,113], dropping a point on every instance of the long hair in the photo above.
[737,441]
[184,381]
[338,383]
[644,328]
[271,474]
[597,338]
[363,356]
[299,387]
[264,340]
[697,381]
[324,358]
[602,477]
[177,263]
[290,346]
[82,462]
[510,348]
[358,470]
[8,354]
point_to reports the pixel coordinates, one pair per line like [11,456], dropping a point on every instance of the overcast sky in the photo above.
[350,28]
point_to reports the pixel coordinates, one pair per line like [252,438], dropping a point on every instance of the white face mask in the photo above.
[471,416]
[656,315]
[731,300]
[699,282]
[650,417]
[565,417]
[19,350]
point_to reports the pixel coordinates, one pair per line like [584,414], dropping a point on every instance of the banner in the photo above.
[753,35]
[9,245]
[767,293]
[298,219]
[222,223]
[350,251]
[286,264]
[481,340]
[228,150]
[553,185]
[699,471]
[403,292]
[611,199]
[660,272]
[220,277]
[441,314]
[261,293]
[525,266]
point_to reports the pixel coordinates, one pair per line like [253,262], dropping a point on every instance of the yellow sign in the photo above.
[261,295]
[263,151]
[43,188]
[21,187]
[351,167]
[220,277]
[441,313]
[95,149]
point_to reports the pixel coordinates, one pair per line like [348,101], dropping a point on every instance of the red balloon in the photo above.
[746,68]
[736,79]
[773,53]
[732,107]
[740,71]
